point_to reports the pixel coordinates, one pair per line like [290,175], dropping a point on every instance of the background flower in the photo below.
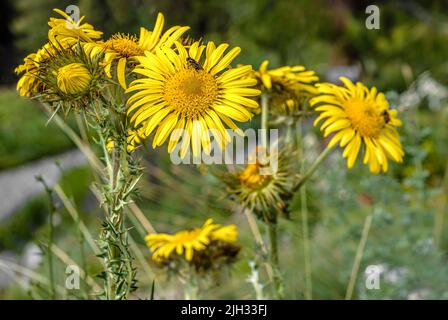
[121,48]
[359,116]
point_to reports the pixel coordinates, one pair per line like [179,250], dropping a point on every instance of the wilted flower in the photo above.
[264,191]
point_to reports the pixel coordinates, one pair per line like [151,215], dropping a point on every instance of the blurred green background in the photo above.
[407,58]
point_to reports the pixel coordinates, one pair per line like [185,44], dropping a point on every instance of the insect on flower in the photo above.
[194,64]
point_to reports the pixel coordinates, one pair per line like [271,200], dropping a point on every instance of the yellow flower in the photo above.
[359,117]
[73,78]
[68,32]
[287,85]
[251,176]
[187,242]
[192,91]
[225,234]
[259,188]
[30,82]
[110,145]
[123,47]
[134,139]
[64,34]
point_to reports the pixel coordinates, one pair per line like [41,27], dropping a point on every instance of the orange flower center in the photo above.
[365,117]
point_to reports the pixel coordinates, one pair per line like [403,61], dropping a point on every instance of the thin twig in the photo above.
[304,216]
[358,257]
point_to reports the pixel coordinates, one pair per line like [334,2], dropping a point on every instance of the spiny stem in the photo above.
[358,257]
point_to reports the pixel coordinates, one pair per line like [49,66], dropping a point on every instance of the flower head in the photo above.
[192,244]
[64,34]
[73,78]
[28,84]
[257,187]
[191,89]
[68,32]
[123,48]
[287,85]
[359,117]
[60,76]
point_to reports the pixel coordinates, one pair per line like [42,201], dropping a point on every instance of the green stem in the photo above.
[52,210]
[119,273]
[358,257]
[304,217]
[274,260]
[306,245]
[273,243]
[312,169]
[264,119]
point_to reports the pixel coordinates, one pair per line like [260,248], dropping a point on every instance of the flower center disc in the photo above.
[191,92]
[365,118]
[251,176]
[126,46]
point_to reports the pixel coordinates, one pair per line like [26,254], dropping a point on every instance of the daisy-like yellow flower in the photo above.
[359,117]
[29,84]
[122,48]
[63,34]
[188,242]
[68,32]
[192,89]
[287,85]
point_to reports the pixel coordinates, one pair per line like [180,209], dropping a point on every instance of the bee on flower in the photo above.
[361,122]
[191,90]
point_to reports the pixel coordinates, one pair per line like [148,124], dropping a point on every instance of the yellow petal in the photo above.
[121,69]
